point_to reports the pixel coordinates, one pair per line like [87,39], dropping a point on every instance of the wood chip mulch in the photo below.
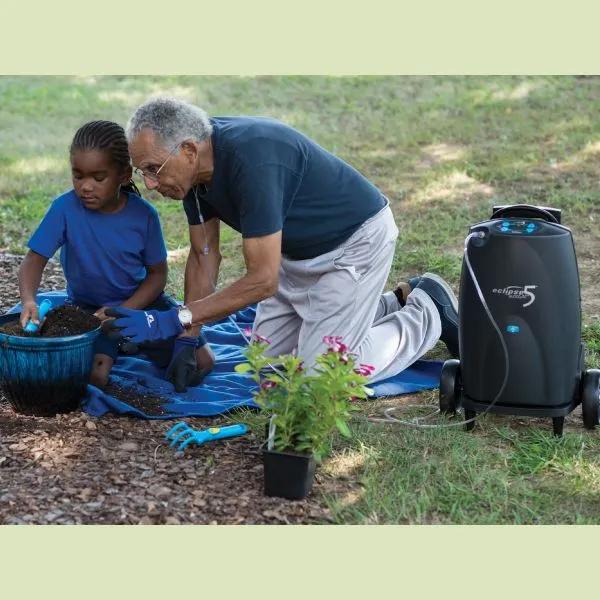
[74,468]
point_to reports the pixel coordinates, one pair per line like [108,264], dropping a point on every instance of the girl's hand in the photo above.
[101,313]
[29,312]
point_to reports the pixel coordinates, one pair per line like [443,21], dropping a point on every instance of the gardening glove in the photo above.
[142,325]
[183,371]
[129,348]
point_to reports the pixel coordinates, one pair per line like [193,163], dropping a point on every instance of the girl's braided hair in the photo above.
[107,136]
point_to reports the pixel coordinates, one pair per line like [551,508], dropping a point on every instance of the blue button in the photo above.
[505,224]
[513,328]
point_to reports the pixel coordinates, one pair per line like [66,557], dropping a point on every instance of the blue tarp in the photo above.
[223,389]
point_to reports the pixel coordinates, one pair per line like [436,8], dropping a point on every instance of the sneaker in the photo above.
[413,282]
[445,301]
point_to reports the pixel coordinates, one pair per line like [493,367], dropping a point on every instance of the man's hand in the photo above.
[142,325]
[183,371]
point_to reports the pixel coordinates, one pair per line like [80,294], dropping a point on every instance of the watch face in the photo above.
[185,316]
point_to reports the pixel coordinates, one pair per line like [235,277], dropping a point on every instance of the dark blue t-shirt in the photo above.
[270,177]
[103,255]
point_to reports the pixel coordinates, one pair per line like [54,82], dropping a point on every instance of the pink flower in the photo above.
[335,344]
[364,370]
[300,367]
[344,358]
[353,399]
[268,385]
[261,338]
[257,337]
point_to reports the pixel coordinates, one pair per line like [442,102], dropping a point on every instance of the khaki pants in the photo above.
[340,294]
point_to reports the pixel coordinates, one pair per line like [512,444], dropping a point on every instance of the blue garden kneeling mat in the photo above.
[223,389]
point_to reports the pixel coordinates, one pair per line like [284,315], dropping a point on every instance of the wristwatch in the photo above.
[185,316]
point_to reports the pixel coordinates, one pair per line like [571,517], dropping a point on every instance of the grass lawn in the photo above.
[444,150]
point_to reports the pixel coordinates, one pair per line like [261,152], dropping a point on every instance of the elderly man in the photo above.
[318,240]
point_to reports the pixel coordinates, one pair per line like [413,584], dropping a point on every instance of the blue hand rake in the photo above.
[183,430]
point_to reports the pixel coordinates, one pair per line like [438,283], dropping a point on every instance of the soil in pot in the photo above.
[62,321]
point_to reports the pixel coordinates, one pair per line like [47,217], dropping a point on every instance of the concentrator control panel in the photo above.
[516,226]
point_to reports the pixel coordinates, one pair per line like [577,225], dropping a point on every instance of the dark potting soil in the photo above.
[60,322]
[136,397]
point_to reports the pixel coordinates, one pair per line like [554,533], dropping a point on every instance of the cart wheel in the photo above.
[450,387]
[590,398]
[557,425]
[469,414]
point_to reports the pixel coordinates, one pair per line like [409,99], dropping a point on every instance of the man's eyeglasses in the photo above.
[152,172]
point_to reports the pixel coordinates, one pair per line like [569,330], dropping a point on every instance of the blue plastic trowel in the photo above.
[43,310]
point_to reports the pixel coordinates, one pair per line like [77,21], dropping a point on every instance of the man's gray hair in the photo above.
[172,121]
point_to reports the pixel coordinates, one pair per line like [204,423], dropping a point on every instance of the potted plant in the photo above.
[306,406]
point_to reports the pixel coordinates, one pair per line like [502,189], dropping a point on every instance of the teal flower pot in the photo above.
[45,376]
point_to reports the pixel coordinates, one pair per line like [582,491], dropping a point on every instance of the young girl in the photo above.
[112,253]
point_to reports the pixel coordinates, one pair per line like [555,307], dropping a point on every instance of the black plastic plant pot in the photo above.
[288,475]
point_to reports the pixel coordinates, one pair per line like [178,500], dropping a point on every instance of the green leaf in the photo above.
[343,428]
[243,368]
[302,447]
